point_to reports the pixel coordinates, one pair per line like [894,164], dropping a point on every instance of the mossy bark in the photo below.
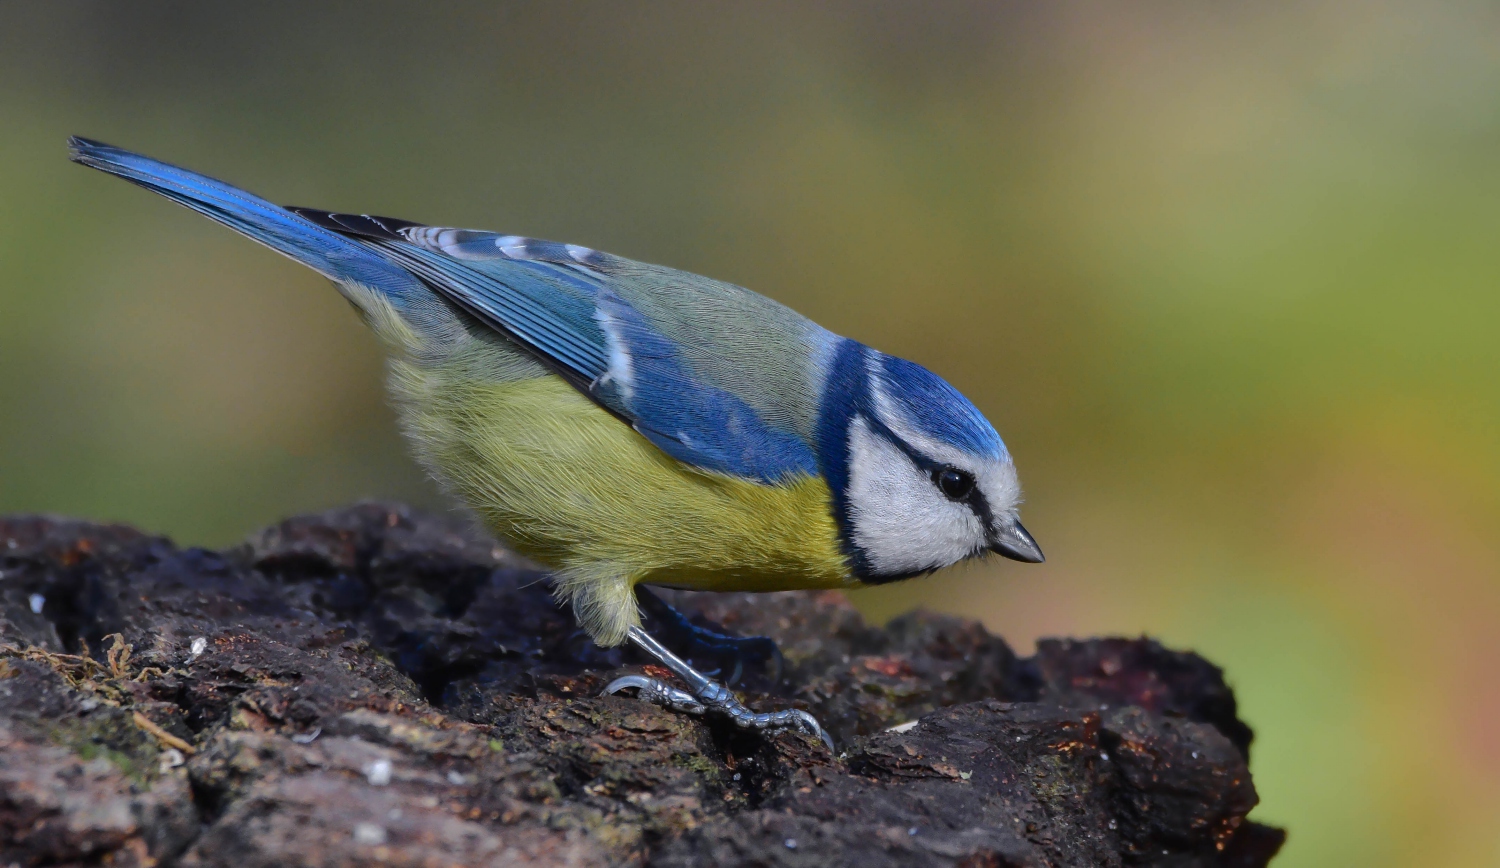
[376,685]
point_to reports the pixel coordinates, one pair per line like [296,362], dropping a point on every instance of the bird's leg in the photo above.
[706,696]
[694,639]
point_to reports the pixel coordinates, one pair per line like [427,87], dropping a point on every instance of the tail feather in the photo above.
[329,253]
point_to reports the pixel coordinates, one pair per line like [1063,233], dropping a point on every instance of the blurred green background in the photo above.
[1223,275]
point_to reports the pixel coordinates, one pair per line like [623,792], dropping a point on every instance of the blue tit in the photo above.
[627,424]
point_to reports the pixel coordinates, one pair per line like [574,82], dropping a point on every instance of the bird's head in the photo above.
[925,481]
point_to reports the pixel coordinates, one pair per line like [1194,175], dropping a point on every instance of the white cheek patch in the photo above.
[997,478]
[898,519]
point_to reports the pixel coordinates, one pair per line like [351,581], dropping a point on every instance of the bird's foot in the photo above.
[718,700]
[730,652]
[706,696]
[657,692]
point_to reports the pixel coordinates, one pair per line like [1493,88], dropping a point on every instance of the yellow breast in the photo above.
[575,488]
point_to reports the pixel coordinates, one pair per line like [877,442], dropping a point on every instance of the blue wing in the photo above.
[326,252]
[568,305]
[560,302]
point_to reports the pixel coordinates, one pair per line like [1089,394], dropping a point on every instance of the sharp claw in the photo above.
[710,696]
[657,693]
[660,693]
[811,726]
[734,676]
[624,681]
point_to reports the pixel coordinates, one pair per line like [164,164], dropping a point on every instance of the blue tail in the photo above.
[330,254]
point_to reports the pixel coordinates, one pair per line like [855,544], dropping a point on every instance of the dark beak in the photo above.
[1012,541]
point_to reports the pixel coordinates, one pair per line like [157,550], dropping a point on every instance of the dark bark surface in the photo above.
[377,686]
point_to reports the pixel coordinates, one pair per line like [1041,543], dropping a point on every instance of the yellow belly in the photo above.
[578,490]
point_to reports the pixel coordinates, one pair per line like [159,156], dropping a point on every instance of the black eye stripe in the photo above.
[975,499]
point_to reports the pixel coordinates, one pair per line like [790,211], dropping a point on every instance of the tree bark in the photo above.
[378,686]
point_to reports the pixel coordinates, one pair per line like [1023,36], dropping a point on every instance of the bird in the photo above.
[630,426]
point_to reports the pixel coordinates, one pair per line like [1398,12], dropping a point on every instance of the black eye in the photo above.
[955,484]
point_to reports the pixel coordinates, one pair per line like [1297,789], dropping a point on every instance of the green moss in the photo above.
[1055,781]
[698,764]
[111,735]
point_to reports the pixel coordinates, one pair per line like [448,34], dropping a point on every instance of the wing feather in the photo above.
[572,307]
